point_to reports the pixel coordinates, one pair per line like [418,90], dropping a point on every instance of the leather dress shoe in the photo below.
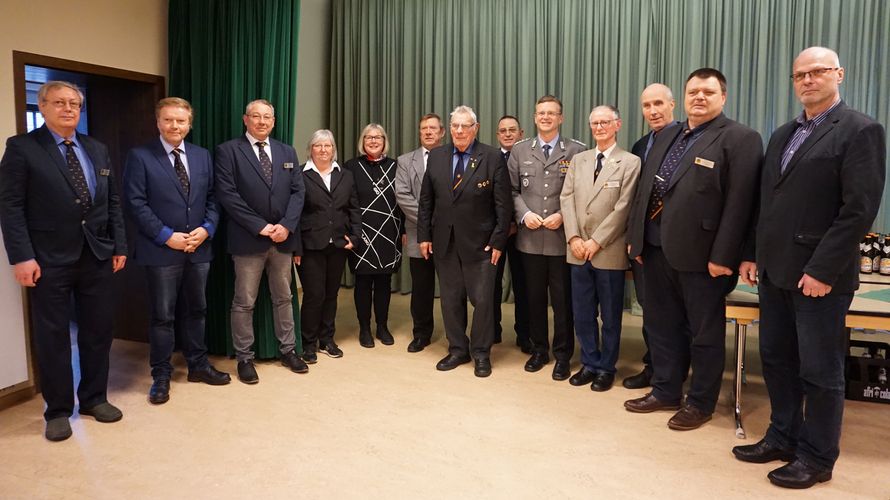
[292,361]
[209,375]
[603,382]
[561,370]
[762,452]
[536,362]
[639,381]
[482,368]
[247,372]
[648,404]
[451,362]
[417,345]
[58,429]
[583,377]
[798,475]
[364,338]
[102,412]
[159,392]
[688,418]
[384,335]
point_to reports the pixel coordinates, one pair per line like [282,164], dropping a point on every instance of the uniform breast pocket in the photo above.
[526,178]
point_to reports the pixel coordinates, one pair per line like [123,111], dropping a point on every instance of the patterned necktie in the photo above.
[265,162]
[179,167]
[458,170]
[547,151]
[664,174]
[599,166]
[506,155]
[78,179]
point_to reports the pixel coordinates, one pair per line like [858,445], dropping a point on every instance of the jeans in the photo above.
[597,290]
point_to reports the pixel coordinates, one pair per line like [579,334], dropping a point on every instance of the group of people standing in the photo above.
[692,206]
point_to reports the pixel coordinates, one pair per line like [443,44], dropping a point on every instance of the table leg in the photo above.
[741,331]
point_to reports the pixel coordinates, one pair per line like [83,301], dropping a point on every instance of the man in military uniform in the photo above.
[538,167]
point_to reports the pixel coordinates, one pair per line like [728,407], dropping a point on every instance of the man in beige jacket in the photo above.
[595,202]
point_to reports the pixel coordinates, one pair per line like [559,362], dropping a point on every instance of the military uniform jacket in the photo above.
[537,183]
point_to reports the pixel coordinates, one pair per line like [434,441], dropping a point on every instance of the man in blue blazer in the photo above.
[262,194]
[168,188]
[64,235]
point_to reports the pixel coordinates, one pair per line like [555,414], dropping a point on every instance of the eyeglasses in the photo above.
[61,103]
[465,126]
[257,117]
[813,73]
[603,124]
[549,114]
[511,130]
[373,137]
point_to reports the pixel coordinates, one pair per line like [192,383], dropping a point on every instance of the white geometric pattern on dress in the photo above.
[380,205]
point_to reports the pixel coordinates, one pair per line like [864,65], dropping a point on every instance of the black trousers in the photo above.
[376,289]
[423,293]
[320,273]
[459,279]
[637,269]
[89,280]
[513,258]
[685,315]
[551,274]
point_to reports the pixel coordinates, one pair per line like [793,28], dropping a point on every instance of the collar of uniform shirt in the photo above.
[552,143]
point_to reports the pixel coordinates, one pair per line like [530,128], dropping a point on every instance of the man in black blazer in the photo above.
[686,227]
[464,216]
[823,177]
[64,235]
[261,189]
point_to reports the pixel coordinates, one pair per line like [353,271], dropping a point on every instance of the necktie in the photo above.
[458,169]
[599,166]
[664,174]
[77,177]
[506,155]
[547,151]
[179,167]
[265,162]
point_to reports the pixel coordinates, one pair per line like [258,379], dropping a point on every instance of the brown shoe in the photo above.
[648,404]
[688,418]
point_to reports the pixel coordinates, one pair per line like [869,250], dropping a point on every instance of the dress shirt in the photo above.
[168,148]
[326,178]
[804,129]
[465,157]
[85,163]
[256,149]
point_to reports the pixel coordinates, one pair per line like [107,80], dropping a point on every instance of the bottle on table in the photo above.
[866,255]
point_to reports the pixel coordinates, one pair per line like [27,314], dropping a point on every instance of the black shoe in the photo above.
[209,375]
[292,361]
[384,335]
[159,392]
[762,452]
[603,382]
[451,362]
[798,475]
[417,345]
[483,367]
[525,345]
[309,357]
[649,403]
[561,370]
[58,429]
[331,350]
[364,338]
[639,381]
[583,377]
[247,372]
[102,412]
[536,362]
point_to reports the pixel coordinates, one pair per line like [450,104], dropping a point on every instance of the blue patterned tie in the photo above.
[665,172]
[78,179]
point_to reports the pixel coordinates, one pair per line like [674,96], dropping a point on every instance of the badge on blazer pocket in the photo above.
[612,184]
[105,172]
[288,166]
[704,162]
[484,184]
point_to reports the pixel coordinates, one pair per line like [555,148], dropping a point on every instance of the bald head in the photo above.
[823,54]
[657,104]
[817,76]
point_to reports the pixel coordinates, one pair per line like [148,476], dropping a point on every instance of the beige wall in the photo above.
[313,71]
[130,35]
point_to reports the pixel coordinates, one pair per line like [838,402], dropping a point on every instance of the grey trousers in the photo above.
[248,273]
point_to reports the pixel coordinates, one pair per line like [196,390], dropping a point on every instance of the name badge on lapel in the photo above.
[612,184]
[703,162]
[288,166]
[104,172]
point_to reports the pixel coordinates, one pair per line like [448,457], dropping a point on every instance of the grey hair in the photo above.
[319,136]
[611,108]
[464,110]
[56,84]
[258,101]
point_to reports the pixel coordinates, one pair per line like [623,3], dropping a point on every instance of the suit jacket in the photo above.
[250,202]
[639,148]
[158,206]
[409,179]
[40,211]
[329,215]
[599,209]
[813,216]
[710,198]
[471,217]
[536,183]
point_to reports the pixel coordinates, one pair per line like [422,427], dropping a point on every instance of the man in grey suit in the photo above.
[538,167]
[409,178]
[595,202]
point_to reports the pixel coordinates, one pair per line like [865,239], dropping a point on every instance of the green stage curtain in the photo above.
[394,60]
[224,54]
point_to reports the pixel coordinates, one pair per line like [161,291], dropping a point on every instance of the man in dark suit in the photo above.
[464,215]
[822,181]
[686,227]
[168,190]
[64,235]
[409,179]
[262,192]
[657,103]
